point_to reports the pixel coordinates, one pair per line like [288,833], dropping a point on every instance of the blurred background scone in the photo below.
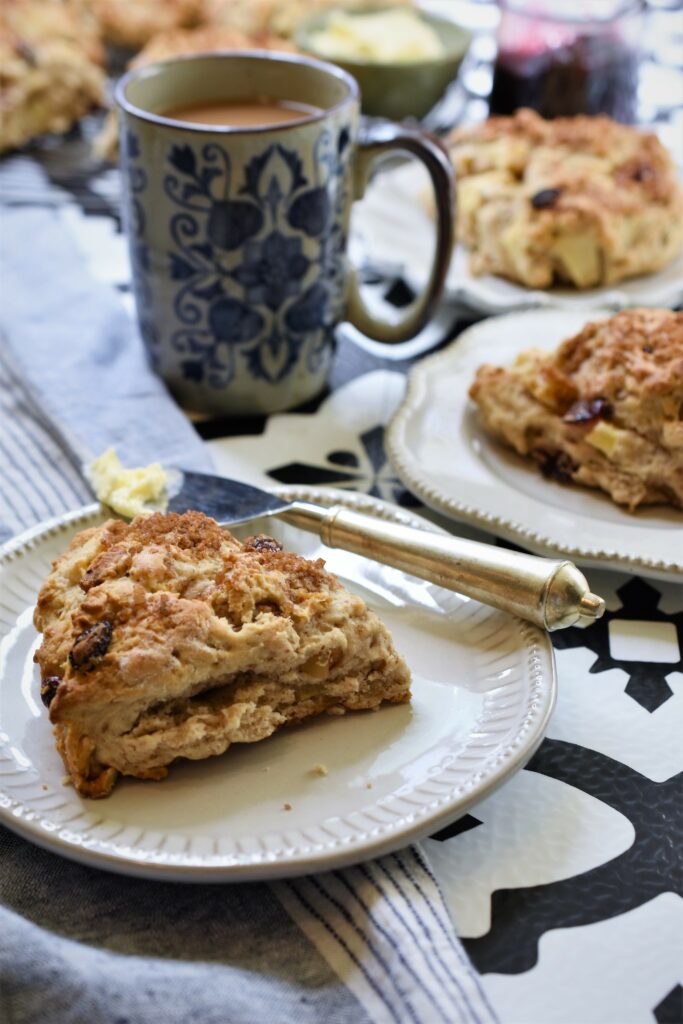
[582,201]
[605,410]
[51,60]
[132,23]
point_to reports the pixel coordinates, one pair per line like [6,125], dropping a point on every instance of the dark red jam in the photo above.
[590,75]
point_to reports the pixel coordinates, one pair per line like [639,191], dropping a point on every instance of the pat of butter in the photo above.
[130,492]
[604,437]
[381,37]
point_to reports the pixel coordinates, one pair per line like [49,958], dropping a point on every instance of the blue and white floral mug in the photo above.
[238,234]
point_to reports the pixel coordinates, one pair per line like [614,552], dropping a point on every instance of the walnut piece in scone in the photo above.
[50,68]
[605,410]
[167,638]
[582,200]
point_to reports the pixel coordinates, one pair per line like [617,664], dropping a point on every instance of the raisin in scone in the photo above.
[169,638]
[50,68]
[605,410]
[578,200]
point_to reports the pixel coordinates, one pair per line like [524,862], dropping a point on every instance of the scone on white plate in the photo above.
[168,638]
[580,201]
[604,410]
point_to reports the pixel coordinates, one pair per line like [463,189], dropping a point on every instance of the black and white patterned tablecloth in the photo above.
[566,884]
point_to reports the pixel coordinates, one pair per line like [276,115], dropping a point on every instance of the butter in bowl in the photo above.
[403,59]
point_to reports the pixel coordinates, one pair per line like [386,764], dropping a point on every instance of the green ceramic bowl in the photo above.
[397,90]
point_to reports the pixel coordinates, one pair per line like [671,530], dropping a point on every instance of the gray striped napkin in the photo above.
[369,943]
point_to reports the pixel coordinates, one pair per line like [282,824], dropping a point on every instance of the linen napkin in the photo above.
[368,943]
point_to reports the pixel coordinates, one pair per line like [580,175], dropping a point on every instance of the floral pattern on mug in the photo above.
[258,262]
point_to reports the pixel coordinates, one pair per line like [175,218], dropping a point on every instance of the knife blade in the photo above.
[229,502]
[551,593]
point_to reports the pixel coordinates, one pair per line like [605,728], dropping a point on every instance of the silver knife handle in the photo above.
[551,593]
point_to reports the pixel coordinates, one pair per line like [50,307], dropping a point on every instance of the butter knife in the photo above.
[551,593]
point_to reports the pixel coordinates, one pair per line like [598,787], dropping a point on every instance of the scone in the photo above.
[51,62]
[168,638]
[181,43]
[132,23]
[582,201]
[207,39]
[605,410]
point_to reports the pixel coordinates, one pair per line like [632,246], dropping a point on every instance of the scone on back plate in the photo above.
[168,638]
[605,410]
[51,60]
[582,201]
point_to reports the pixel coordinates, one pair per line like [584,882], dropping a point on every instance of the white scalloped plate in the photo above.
[440,452]
[483,684]
[393,220]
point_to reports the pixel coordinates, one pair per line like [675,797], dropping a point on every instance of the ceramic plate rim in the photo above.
[410,469]
[543,682]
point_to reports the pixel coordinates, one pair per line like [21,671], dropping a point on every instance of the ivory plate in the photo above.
[484,688]
[441,453]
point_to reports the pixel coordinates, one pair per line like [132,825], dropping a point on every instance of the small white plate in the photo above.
[440,452]
[483,690]
[396,229]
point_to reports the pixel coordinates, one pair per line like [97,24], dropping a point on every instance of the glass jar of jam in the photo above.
[565,57]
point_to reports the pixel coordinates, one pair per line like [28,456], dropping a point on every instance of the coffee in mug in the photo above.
[246,113]
[238,225]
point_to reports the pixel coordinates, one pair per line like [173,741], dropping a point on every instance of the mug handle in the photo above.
[374,142]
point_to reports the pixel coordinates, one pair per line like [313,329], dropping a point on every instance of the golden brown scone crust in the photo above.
[132,23]
[50,68]
[168,638]
[578,200]
[604,410]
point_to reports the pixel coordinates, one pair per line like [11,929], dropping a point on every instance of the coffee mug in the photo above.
[238,235]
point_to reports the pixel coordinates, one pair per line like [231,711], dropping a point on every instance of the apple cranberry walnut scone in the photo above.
[577,200]
[50,68]
[604,410]
[169,638]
